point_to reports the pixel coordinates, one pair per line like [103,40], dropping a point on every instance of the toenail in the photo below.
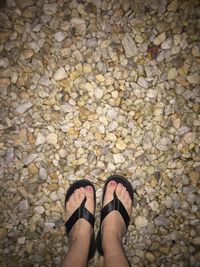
[89,188]
[113,183]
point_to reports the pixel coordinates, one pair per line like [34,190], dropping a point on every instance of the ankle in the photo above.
[112,237]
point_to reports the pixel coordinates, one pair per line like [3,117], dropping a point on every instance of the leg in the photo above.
[80,235]
[113,228]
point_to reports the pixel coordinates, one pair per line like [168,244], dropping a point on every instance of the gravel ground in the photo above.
[90,88]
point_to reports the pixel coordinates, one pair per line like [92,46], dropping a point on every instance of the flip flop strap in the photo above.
[115,204]
[79,213]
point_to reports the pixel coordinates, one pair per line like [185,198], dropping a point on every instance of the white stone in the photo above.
[121,145]
[4,62]
[172,74]
[40,139]
[39,210]
[152,93]
[118,158]
[23,107]
[164,144]
[60,74]
[43,173]
[30,158]
[62,153]
[129,46]
[23,205]
[143,82]
[112,113]
[167,44]
[98,92]
[141,221]
[52,139]
[59,36]
[21,240]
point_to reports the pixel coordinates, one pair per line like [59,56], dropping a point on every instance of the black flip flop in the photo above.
[81,212]
[115,204]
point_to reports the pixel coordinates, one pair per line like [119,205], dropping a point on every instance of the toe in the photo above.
[119,189]
[89,193]
[111,186]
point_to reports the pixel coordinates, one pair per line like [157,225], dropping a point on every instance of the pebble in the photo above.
[4,82]
[98,92]
[164,144]
[130,46]
[193,78]
[143,82]
[118,158]
[60,74]
[21,240]
[190,137]
[152,93]
[39,210]
[22,108]
[59,36]
[172,74]
[160,39]
[141,221]
[52,139]
[43,173]
[4,62]
[40,139]
[50,9]
[9,155]
[23,205]
[162,221]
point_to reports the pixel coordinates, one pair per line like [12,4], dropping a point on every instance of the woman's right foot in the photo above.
[113,225]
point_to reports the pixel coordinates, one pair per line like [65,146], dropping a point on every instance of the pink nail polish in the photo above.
[113,183]
[89,188]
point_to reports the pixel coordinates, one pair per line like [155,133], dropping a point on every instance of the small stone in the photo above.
[44,81]
[100,78]
[164,144]
[152,93]
[112,113]
[30,158]
[172,74]
[4,82]
[160,39]
[40,139]
[142,82]
[50,9]
[89,87]
[190,137]
[21,240]
[196,241]
[79,25]
[9,155]
[87,68]
[194,176]
[3,233]
[194,78]
[39,210]
[109,80]
[98,92]
[118,158]
[112,126]
[59,36]
[23,205]
[62,153]
[23,107]
[4,62]
[173,5]
[154,205]
[150,257]
[162,221]
[60,74]
[167,44]
[141,221]
[129,46]
[120,144]
[182,130]
[43,173]
[52,139]
[28,53]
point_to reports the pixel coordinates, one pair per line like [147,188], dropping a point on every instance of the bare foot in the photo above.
[113,225]
[81,229]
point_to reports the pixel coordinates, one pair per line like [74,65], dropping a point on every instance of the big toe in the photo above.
[89,192]
[110,188]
